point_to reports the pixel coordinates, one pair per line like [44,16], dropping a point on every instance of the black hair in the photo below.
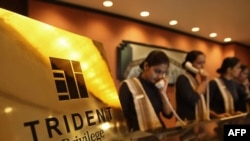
[243,67]
[228,62]
[155,57]
[192,56]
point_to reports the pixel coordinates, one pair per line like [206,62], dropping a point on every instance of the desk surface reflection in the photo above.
[197,131]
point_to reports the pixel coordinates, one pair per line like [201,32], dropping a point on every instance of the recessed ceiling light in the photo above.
[107,3]
[227,39]
[144,13]
[8,110]
[213,34]
[173,22]
[195,29]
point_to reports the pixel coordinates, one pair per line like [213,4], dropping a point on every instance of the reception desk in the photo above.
[212,130]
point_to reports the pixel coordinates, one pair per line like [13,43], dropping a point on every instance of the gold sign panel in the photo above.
[54,85]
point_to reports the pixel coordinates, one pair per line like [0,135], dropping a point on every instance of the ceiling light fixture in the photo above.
[173,22]
[144,13]
[107,3]
[213,35]
[195,29]
[228,39]
[8,110]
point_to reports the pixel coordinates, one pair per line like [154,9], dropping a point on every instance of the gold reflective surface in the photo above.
[54,85]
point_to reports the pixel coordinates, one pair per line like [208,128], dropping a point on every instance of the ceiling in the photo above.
[228,18]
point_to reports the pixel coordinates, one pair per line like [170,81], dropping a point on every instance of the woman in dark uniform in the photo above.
[191,88]
[225,94]
[141,101]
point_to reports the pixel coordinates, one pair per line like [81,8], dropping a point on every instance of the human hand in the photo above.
[162,84]
[238,112]
[246,83]
[224,115]
[204,75]
[165,87]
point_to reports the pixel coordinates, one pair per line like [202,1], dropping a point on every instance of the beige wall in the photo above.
[112,30]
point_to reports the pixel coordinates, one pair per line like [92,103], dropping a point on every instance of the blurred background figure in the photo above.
[243,80]
[225,94]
